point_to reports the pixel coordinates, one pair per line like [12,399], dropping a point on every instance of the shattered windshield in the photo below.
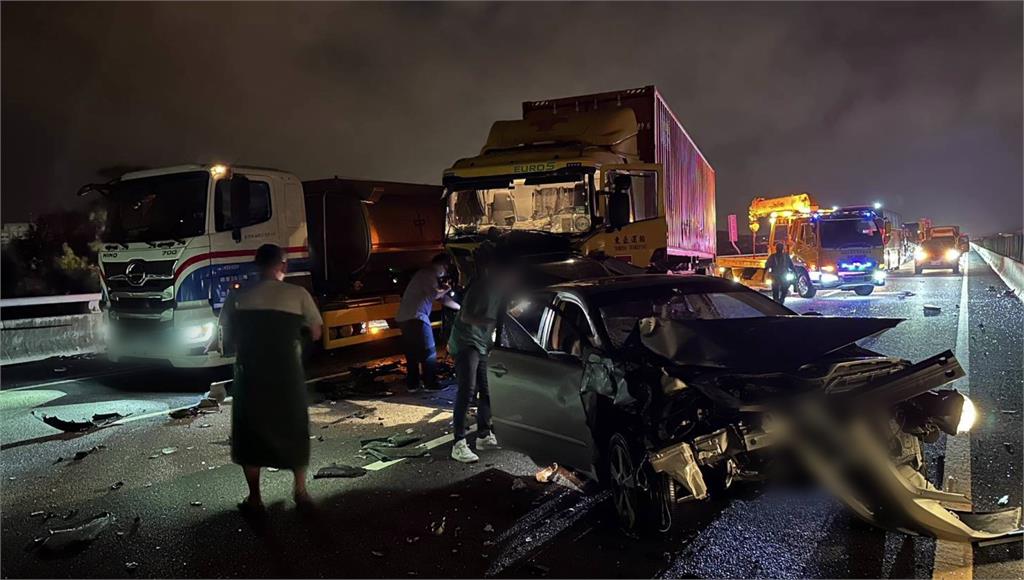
[162,207]
[620,318]
[559,207]
[848,233]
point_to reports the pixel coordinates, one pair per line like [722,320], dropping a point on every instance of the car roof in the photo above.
[598,288]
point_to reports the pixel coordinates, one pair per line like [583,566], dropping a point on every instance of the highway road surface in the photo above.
[172,488]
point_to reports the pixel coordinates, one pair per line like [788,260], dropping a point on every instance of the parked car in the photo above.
[669,388]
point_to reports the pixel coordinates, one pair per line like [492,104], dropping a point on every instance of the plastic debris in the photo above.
[377,554]
[168,450]
[339,470]
[1008,411]
[931,310]
[218,391]
[547,474]
[1008,447]
[83,454]
[196,503]
[412,539]
[437,528]
[68,426]
[205,405]
[117,485]
[1003,500]
[131,566]
[37,514]
[60,369]
[518,484]
[488,528]
[273,469]
[64,538]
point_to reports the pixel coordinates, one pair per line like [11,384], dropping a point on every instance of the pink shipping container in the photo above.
[688,177]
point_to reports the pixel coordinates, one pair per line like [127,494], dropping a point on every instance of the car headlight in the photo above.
[878,276]
[920,254]
[828,268]
[768,282]
[952,254]
[829,278]
[198,333]
[790,276]
[968,414]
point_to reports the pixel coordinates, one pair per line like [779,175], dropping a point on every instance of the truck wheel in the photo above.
[864,290]
[804,287]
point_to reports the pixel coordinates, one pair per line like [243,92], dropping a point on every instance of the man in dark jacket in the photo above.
[779,269]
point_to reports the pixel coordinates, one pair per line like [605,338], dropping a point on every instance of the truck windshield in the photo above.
[620,317]
[162,207]
[847,233]
[561,208]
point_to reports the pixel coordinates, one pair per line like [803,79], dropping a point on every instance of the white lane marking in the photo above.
[66,381]
[955,560]
[379,465]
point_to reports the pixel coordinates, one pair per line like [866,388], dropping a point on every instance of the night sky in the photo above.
[917,105]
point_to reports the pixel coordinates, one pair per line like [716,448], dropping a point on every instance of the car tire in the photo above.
[804,287]
[627,497]
[864,290]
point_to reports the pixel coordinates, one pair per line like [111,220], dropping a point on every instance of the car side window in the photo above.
[568,328]
[259,206]
[520,324]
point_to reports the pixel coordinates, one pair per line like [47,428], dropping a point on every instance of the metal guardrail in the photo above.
[45,300]
[1009,245]
[47,306]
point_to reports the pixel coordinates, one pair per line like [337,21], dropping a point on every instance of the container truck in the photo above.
[839,248]
[610,174]
[179,239]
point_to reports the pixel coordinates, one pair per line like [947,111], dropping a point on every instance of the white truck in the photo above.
[179,239]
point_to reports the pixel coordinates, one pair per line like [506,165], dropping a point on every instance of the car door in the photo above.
[535,386]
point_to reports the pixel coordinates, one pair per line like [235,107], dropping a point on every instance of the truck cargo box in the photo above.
[368,237]
[661,138]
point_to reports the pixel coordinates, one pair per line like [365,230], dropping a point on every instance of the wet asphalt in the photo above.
[174,514]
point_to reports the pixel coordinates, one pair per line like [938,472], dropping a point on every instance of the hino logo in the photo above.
[135,273]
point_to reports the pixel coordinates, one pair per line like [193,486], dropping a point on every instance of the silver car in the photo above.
[669,388]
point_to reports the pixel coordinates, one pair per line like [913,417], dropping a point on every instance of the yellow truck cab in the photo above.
[838,248]
[613,174]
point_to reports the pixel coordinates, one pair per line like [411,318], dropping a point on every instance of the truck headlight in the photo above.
[920,254]
[878,275]
[952,254]
[198,333]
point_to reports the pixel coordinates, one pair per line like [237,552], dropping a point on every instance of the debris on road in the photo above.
[932,310]
[273,469]
[437,528]
[218,391]
[98,420]
[339,470]
[518,484]
[116,485]
[1003,500]
[377,554]
[61,539]
[412,539]
[1008,411]
[37,514]
[196,503]
[488,528]
[83,454]
[545,475]
[389,442]
[393,447]
[168,450]
[205,405]
[1008,447]
[131,566]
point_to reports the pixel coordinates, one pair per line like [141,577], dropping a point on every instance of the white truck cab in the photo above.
[178,240]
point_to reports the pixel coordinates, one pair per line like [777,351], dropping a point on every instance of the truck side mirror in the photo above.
[240,197]
[618,202]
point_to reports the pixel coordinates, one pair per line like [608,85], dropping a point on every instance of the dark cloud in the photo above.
[915,104]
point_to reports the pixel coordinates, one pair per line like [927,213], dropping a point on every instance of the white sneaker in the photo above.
[461,452]
[489,442]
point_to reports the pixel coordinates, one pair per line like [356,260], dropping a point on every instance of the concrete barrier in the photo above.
[1010,270]
[32,339]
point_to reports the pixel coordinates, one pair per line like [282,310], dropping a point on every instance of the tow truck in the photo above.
[832,248]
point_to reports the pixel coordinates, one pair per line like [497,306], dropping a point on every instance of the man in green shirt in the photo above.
[470,342]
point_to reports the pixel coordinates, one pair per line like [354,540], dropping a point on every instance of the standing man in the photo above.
[470,342]
[777,267]
[264,325]
[414,320]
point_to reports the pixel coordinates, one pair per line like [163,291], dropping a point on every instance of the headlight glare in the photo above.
[920,254]
[952,254]
[968,414]
[198,333]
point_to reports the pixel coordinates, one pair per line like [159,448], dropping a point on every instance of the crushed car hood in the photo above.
[769,344]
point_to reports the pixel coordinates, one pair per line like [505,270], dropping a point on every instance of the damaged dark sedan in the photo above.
[668,389]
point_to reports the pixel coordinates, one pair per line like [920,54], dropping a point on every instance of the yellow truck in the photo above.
[612,174]
[837,248]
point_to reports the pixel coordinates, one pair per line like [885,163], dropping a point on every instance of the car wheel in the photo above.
[804,287]
[864,290]
[622,474]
